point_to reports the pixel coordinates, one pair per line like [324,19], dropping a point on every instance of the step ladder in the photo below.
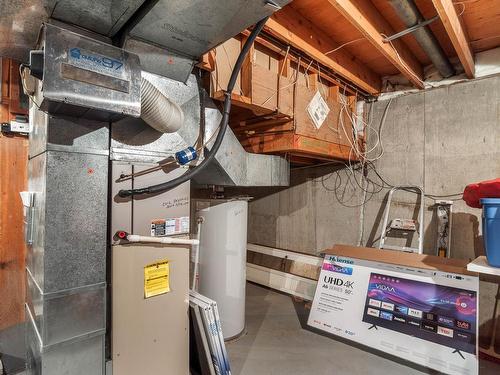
[405,225]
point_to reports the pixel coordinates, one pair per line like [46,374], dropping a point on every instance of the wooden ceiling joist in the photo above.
[371,26]
[290,27]
[456,33]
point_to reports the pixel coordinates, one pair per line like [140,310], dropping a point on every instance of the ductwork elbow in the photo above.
[158,111]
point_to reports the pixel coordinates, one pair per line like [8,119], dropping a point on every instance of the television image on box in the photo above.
[440,314]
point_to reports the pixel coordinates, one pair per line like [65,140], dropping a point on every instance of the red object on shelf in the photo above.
[485,189]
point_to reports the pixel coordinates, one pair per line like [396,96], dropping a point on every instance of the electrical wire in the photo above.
[30,95]
[405,65]
[298,54]
[222,127]
[343,45]
[355,176]
[356,172]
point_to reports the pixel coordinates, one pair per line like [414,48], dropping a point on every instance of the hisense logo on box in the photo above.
[334,258]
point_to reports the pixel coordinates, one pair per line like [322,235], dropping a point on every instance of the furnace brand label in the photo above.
[169,227]
[95,62]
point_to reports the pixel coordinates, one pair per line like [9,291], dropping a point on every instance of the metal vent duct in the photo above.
[187,27]
[66,263]
[199,25]
[134,141]
[21,20]
[102,17]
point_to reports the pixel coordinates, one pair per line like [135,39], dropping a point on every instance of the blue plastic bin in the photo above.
[491,230]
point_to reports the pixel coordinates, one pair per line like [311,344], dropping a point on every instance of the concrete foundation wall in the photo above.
[441,139]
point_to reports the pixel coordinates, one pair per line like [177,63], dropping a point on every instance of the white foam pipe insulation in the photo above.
[165,240]
[158,111]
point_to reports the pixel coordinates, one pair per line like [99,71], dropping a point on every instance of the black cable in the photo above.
[223,125]
[432,196]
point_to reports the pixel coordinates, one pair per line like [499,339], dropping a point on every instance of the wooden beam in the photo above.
[298,144]
[207,61]
[456,33]
[13,179]
[290,27]
[371,25]
[5,84]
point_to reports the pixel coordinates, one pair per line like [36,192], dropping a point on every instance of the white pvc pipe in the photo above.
[165,240]
[196,256]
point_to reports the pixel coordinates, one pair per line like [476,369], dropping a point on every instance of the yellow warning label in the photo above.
[156,279]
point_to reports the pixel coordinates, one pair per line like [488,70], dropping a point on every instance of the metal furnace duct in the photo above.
[199,25]
[134,141]
[180,30]
[66,263]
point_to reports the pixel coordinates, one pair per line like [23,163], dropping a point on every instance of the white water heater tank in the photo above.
[222,272]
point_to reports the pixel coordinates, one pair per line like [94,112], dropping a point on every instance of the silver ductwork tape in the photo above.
[158,111]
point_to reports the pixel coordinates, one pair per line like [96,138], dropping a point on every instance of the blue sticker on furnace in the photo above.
[103,61]
[75,52]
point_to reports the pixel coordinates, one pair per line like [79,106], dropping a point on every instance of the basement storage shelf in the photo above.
[271,99]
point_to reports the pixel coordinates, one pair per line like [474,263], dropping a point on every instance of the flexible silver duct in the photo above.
[410,15]
[158,111]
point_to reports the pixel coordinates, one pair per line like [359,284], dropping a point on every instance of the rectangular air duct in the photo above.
[173,34]
[66,263]
[196,26]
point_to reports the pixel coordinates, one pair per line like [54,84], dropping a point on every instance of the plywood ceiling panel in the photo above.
[480,19]
[340,30]
[482,22]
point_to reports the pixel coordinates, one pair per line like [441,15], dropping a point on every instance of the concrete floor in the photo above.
[278,342]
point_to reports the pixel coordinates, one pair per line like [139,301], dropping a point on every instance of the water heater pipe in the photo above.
[196,256]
